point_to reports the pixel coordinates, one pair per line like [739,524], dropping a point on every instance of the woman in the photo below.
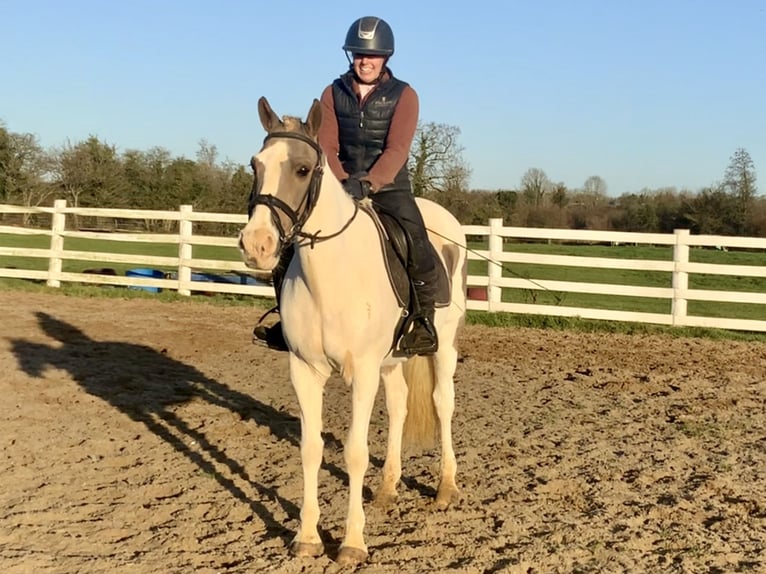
[367,147]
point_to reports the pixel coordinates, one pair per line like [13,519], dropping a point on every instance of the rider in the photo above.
[367,148]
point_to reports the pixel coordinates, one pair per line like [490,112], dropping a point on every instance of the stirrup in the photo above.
[421,339]
[274,309]
[272,336]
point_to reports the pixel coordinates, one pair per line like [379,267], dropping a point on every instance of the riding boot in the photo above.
[422,338]
[273,335]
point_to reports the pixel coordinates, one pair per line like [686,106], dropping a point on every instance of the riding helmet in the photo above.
[370,36]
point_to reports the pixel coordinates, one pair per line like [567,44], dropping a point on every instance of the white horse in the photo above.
[339,314]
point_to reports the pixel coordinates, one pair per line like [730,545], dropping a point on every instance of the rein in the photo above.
[298,218]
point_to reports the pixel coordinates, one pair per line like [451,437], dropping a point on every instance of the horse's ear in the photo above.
[269,120]
[314,118]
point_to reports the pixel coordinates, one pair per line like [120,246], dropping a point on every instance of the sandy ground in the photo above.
[143,437]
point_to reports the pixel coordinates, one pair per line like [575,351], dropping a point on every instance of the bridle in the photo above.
[297,217]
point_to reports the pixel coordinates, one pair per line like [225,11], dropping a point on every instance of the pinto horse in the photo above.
[340,313]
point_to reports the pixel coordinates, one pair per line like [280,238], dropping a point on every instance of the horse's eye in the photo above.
[303,171]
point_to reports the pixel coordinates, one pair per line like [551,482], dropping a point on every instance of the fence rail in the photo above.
[494,235]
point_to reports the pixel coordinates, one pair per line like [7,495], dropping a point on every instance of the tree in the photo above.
[24,169]
[712,211]
[507,200]
[559,196]
[5,160]
[89,173]
[207,153]
[740,181]
[534,185]
[635,212]
[146,177]
[595,186]
[436,162]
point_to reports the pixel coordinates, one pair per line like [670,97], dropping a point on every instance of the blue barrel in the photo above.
[146,273]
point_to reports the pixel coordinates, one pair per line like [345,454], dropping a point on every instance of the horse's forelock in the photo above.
[294,124]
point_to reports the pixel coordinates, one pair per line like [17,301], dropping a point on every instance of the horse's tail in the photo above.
[422,422]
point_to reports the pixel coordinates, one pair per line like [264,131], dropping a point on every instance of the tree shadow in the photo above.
[145,384]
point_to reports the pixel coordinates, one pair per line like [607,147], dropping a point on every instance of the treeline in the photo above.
[729,207]
[712,211]
[92,173]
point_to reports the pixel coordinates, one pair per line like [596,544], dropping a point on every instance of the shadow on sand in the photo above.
[145,384]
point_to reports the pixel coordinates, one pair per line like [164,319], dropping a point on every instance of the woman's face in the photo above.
[368,68]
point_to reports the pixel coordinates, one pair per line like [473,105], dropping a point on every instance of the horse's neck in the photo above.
[336,215]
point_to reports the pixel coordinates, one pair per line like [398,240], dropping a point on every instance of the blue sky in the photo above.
[641,93]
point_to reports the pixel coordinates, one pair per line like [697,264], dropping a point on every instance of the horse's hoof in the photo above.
[351,556]
[307,550]
[447,495]
[384,500]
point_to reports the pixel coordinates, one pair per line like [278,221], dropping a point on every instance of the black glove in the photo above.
[357,188]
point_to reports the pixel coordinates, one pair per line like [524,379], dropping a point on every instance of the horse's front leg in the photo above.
[309,388]
[396,406]
[356,454]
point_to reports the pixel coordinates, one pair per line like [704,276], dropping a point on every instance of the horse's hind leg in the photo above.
[445,363]
[309,388]
[396,406]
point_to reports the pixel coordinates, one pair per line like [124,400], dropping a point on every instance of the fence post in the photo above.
[58,225]
[494,268]
[680,277]
[185,230]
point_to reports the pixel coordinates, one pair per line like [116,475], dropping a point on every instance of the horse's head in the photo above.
[287,176]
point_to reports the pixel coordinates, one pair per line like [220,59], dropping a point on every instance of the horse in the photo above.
[339,313]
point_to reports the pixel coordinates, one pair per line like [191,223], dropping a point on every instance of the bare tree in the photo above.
[436,162]
[534,185]
[207,153]
[595,185]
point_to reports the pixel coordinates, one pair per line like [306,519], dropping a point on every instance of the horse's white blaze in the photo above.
[259,239]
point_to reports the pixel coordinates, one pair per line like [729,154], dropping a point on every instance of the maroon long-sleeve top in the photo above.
[401,132]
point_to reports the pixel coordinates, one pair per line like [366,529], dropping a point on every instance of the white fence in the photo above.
[183,281]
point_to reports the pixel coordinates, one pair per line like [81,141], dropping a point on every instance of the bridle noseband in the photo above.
[297,217]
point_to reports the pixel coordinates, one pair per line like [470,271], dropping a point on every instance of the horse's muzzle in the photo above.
[259,248]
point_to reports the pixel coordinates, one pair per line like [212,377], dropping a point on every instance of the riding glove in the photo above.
[357,188]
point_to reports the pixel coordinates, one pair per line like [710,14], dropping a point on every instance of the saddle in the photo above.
[395,246]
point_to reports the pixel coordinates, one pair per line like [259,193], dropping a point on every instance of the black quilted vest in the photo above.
[362,130]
